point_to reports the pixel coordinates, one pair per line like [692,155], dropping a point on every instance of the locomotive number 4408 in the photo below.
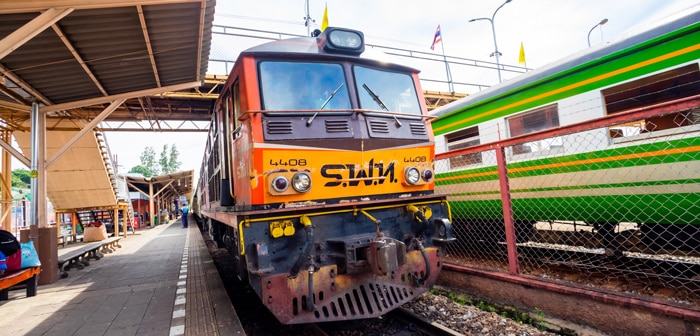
[290,162]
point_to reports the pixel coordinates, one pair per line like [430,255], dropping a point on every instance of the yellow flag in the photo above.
[521,58]
[324,23]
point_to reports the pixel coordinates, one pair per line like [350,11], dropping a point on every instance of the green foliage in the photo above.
[141,170]
[539,319]
[536,318]
[173,162]
[148,160]
[21,178]
[167,162]
[164,167]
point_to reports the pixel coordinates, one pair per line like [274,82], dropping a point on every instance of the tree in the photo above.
[21,178]
[148,165]
[173,162]
[148,160]
[141,170]
[164,168]
[167,162]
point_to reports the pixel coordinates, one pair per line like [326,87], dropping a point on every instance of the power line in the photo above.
[252,18]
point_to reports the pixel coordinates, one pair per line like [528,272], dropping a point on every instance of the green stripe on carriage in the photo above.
[584,162]
[654,208]
[666,51]
[586,187]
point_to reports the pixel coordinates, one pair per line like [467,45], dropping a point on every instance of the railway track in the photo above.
[405,321]
[426,326]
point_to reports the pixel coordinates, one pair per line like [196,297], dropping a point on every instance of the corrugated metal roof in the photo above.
[68,51]
[75,57]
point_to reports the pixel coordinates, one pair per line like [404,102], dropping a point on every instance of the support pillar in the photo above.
[7,187]
[125,214]
[116,221]
[151,206]
[43,236]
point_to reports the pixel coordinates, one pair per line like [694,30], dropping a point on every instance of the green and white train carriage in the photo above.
[645,172]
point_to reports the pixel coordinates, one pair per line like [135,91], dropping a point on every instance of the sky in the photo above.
[549,30]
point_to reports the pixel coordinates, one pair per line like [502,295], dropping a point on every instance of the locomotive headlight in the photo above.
[342,41]
[345,39]
[280,184]
[427,175]
[412,175]
[301,182]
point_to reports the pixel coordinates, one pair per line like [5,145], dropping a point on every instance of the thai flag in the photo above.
[437,38]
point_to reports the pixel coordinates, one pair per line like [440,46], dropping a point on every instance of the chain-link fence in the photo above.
[612,203]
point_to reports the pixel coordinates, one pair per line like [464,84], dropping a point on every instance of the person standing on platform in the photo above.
[185,209]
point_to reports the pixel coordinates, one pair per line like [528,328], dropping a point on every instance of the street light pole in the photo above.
[493,30]
[602,22]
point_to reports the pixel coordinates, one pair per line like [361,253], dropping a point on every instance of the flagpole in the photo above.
[307,20]
[447,66]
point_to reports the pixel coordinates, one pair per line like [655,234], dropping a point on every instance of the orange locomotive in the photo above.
[318,178]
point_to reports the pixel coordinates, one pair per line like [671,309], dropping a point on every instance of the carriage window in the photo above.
[663,87]
[395,90]
[303,86]
[539,119]
[464,139]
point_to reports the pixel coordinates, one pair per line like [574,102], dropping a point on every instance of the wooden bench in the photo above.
[78,257]
[63,239]
[109,245]
[29,276]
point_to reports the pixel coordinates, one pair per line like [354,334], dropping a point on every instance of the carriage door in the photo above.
[232,108]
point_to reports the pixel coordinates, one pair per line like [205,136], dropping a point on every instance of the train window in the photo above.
[303,86]
[464,139]
[539,119]
[662,87]
[234,108]
[380,89]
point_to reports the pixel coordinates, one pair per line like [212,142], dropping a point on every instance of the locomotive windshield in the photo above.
[386,91]
[303,86]
[323,86]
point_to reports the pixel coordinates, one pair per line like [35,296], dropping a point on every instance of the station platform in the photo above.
[162,281]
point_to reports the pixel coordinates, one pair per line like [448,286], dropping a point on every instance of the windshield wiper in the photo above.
[380,102]
[328,100]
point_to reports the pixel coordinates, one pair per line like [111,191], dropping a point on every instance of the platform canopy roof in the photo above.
[168,185]
[77,57]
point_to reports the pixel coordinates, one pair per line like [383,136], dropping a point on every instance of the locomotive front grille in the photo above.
[362,301]
[378,126]
[337,126]
[418,129]
[279,127]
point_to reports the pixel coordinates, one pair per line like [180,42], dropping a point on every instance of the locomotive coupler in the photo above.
[385,255]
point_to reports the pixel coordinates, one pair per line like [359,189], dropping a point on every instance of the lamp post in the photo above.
[493,30]
[602,22]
